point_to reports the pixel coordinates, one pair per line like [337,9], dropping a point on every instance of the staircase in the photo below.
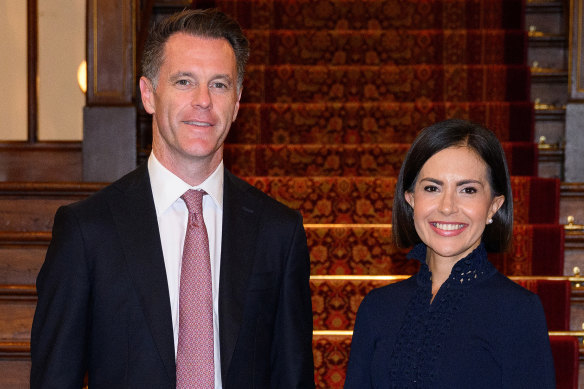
[336,90]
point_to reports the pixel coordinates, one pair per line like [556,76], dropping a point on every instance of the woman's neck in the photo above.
[440,268]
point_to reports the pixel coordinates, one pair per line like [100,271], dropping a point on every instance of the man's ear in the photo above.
[236,110]
[409,196]
[147,94]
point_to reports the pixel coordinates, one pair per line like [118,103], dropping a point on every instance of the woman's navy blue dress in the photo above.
[481,331]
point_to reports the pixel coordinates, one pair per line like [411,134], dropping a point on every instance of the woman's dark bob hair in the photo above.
[440,136]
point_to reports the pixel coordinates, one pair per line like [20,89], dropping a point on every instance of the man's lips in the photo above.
[197,123]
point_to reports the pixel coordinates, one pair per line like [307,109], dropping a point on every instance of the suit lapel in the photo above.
[240,229]
[135,216]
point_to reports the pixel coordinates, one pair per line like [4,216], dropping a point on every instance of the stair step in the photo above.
[320,199]
[369,250]
[429,83]
[331,355]
[335,301]
[41,161]
[369,200]
[375,15]
[550,123]
[21,256]
[549,86]
[15,372]
[344,250]
[387,47]
[372,122]
[546,16]
[31,206]
[16,320]
[347,160]
[572,195]
[574,255]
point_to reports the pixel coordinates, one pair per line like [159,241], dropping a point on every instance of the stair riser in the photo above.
[15,374]
[346,161]
[16,320]
[20,265]
[29,213]
[385,47]
[348,250]
[284,84]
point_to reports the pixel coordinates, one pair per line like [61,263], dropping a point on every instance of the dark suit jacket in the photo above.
[103,303]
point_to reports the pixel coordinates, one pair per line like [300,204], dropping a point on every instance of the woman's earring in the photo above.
[489,221]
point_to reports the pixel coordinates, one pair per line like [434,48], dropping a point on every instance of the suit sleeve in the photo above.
[58,337]
[292,361]
[528,360]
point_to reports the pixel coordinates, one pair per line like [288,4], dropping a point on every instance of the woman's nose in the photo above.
[448,203]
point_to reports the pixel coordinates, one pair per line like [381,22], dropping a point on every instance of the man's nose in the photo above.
[201,98]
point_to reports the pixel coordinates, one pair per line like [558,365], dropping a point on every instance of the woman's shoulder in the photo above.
[395,288]
[508,298]
[396,293]
[503,287]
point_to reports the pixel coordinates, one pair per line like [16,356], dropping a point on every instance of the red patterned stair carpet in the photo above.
[335,92]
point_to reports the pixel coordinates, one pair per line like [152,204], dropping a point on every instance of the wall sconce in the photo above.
[82,76]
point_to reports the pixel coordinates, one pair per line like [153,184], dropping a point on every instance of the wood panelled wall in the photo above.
[115,31]
[109,118]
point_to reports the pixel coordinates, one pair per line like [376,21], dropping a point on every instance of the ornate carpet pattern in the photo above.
[364,199]
[335,302]
[336,91]
[372,122]
[367,249]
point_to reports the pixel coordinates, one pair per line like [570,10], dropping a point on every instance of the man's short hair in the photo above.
[204,23]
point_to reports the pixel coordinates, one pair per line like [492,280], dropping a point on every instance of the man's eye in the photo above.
[219,85]
[183,82]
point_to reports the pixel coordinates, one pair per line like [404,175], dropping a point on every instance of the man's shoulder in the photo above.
[134,181]
[260,199]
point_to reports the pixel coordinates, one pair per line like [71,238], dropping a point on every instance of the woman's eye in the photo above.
[469,190]
[430,188]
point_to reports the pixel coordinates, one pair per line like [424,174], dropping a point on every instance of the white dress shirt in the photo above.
[172,215]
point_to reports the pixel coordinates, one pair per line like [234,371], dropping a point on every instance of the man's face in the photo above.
[194,103]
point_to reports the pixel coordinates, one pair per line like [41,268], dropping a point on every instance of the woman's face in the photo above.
[452,202]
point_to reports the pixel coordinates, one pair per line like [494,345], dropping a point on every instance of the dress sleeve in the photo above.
[362,347]
[528,361]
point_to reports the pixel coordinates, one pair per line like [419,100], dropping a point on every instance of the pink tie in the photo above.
[194,360]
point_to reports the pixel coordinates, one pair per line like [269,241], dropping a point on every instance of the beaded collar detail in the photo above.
[469,270]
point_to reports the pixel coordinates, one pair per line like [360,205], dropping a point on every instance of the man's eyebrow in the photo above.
[225,77]
[178,75]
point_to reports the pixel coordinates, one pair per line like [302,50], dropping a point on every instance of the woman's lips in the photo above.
[448,229]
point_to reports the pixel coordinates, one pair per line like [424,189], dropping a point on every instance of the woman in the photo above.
[458,323]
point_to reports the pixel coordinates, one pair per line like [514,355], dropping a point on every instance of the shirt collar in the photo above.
[167,187]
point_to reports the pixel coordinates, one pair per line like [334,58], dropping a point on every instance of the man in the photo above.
[114,289]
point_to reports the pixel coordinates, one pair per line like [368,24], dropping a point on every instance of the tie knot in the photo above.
[194,201]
